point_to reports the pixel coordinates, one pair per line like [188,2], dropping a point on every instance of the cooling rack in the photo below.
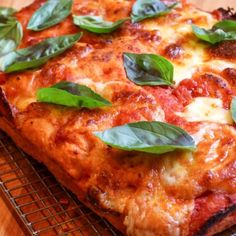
[40,203]
[42,206]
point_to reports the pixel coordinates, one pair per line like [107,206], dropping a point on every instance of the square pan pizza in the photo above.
[130,104]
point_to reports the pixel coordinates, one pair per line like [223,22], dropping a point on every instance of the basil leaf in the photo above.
[96,24]
[51,13]
[71,95]
[148,69]
[10,31]
[233,109]
[34,56]
[151,137]
[143,9]
[226,25]
[6,12]
[11,34]
[221,31]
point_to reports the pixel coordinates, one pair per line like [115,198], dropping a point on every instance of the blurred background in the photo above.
[203,4]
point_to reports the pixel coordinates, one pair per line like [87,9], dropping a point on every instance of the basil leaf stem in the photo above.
[96,24]
[51,13]
[35,56]
[151,137]
[148,69]
[143,9]
[72,95]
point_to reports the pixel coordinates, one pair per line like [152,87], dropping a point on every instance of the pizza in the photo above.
[131,105]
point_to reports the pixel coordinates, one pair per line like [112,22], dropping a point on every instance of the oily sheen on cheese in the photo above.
[176,193]
[207,109]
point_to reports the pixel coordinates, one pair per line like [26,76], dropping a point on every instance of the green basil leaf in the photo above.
[226,25]
[34,56]
[151,137]
[71,95]
[233,109]
[6,12]
[143,9]
[11,31]
[11,34]
[96,24]
[148,69]
[216,34]
[51,13]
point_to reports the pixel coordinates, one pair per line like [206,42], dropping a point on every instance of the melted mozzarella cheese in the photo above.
[196,60]
[98,86]
[195,56]
[185,70]
[206,109]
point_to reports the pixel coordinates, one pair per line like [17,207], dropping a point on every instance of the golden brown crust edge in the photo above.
[213,213]
[211,221]
[64,178]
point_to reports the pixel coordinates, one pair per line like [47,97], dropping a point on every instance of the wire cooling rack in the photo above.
[42,205]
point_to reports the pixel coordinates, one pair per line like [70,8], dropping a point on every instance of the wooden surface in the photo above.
[15,3]
[8,224]
[214,4]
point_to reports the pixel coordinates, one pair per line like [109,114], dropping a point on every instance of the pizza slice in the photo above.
[73,102]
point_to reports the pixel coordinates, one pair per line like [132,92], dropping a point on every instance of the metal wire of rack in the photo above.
[40,202]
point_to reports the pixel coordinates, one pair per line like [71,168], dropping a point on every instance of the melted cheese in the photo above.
[175,174]
[196,60]
[194,56]
[185,70]
[206,109]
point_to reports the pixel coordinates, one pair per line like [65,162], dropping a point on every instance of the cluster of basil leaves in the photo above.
[51,13]
[142,69]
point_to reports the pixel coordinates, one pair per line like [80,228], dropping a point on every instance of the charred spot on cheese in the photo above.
[230,75]
[138,31]
[226,13]
[206,216]
[173,51]
[99,199]
[217,80]
[94,195]
[226,49]
[132,96]
[212,215]
[217,219]
[106,57]
[205,85]
[53,73]
[148,36]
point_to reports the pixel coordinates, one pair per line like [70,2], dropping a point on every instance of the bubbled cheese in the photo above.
[206,109]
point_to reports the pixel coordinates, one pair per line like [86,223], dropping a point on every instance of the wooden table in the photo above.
[8,224]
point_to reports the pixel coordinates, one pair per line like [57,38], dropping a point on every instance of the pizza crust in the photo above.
[63,177]
[205,220]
